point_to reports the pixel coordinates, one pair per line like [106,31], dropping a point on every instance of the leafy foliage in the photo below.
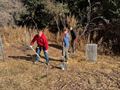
[41,13]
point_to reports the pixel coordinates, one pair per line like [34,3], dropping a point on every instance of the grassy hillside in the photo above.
[19,73]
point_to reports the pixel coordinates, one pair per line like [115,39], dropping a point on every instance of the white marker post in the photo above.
[91,52]
[1,49]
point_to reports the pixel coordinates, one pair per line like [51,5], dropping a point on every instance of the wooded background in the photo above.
[97,20]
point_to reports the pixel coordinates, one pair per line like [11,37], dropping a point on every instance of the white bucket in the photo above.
[91,52]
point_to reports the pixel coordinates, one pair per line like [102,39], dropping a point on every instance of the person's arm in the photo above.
[33,40]
[45,43]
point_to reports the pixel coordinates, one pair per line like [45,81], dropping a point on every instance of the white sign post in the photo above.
[91,52]
[1,49]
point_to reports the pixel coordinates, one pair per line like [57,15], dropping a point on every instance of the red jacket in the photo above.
[41,41]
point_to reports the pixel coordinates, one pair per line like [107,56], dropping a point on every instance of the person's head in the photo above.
[65,30]
[40,32]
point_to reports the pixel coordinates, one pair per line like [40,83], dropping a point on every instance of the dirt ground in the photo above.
[18,72]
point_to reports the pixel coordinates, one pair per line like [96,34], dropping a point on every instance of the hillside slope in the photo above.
[8,9]
[19,73]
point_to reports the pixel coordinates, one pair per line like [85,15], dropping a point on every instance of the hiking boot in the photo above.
[36,62]
[66,62]
[63,66]
[47,63]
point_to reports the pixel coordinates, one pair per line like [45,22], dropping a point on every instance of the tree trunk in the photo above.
[89,18]
[89,12]
[63,21]
[58,32]
[88,39]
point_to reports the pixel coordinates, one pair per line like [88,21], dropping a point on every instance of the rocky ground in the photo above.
[9,11]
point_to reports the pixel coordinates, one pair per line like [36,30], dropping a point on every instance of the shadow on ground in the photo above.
[53,59]
[27,58]
[56,46]
[32,58]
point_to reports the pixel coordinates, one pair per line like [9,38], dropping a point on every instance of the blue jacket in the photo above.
[66,40]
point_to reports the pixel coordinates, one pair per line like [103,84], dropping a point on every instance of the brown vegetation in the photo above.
[19,73]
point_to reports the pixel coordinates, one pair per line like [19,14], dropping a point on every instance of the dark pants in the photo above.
[38,50]
[73,46]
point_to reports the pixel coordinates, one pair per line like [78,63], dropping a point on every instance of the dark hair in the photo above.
[65,29]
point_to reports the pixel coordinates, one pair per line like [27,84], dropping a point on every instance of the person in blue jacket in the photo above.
[66,43]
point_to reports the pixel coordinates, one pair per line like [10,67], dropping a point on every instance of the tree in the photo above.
[58,10]
[35,15]
[111,9]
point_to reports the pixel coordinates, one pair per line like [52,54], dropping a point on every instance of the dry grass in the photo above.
[19,73]
[71,21]
[80,75]
[15,35]
[22,35]
[50,36]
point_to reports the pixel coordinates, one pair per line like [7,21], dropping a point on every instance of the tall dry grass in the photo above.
[22,35]
[12,35]
[50,36]
[72,21]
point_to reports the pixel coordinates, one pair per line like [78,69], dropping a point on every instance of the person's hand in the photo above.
[46,51]
[31,46]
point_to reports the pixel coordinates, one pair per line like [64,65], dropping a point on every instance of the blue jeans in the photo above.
[38,50]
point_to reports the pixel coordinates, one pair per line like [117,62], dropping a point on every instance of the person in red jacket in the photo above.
[42,44]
